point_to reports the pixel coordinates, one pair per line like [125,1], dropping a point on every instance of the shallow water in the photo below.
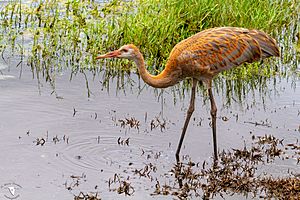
[87,143]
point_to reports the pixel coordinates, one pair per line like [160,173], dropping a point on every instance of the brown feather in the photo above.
[211,51]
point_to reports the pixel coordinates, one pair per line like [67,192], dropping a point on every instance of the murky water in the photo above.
[56,145]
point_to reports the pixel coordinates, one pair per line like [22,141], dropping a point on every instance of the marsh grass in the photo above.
[69,34]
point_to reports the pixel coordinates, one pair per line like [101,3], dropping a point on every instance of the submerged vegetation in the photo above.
[53,35]
[239,171]
[248,172]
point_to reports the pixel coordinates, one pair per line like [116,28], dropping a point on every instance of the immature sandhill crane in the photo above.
[201,57]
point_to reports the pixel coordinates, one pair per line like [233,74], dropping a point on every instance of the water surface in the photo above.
[85,139]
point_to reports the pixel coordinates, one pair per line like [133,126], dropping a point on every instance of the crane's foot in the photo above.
[178,174]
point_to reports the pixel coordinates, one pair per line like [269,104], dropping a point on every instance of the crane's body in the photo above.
[201,57]
[209,52]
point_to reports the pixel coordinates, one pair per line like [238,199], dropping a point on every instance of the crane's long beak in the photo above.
[112,54]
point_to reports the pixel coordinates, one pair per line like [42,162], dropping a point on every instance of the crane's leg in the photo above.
[188,117]
[213,113]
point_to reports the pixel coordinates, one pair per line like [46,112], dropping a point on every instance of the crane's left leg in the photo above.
[213,113]
[188,117]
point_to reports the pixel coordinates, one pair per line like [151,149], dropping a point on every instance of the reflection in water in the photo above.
[238,171]
[102,121]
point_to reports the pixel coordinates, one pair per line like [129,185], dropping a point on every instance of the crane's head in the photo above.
[128,51]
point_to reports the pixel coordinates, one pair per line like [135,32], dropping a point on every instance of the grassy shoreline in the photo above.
[54,35]
[155,26]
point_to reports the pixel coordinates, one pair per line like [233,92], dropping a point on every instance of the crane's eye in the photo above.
[124,50]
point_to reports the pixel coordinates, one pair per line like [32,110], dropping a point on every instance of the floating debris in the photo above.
[40,141]
[87,196]
[55,139]
[282,188]
[74,111]
[123,186]
[163,190]
[126,188]
[123,141]
[157,123]
[225,119]
[146,171]
[66,139]
[265,123]
[78,157]
[131,122]
[75,182]
[235,173]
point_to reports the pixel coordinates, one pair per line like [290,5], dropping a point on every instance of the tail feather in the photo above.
[267,44]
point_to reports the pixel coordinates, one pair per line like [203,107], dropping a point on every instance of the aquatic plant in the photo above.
[53,35]
[71,33]
[239,171]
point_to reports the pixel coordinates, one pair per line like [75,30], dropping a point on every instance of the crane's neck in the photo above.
[166,78]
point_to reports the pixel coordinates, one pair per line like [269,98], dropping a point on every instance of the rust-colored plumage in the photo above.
[201,57]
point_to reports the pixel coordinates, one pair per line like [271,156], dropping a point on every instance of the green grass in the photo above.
[70,33]
[82,28]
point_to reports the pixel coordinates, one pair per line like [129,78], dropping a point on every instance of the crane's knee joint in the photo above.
[213,112]
[191,110]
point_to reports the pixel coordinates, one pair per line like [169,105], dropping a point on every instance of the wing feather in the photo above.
[222,48]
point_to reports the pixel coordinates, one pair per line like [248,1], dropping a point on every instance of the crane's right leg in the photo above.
[213,113]
[188,117]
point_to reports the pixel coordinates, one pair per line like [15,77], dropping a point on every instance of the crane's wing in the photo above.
[267,44]
[219,49]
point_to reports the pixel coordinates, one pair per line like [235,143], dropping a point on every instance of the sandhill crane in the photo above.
[201,57]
